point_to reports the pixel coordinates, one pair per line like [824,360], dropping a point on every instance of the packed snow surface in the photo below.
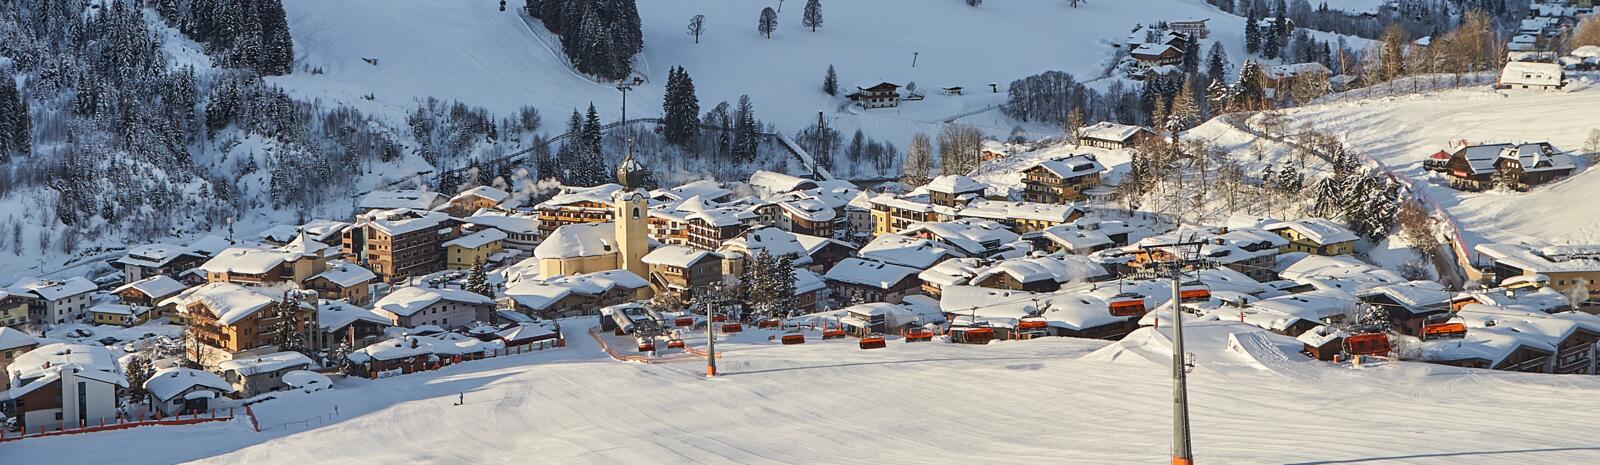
[1040,401]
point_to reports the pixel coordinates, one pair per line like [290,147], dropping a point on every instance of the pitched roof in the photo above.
[1319,230]
[336,314]
[477,239]
[1533,74]
[955,184]
[155,255]
[347,274]
[601,194]
[168,383]
[278,361]
[11,339]
[230,302]
[1071,167]
[155,287]
[489,193]
[1110,131]
[677,256]
[578,240]
[905,251]
[53,289]
[405,198]
[409,300]
[868,273]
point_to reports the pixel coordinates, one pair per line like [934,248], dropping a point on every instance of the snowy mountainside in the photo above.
[1402,131]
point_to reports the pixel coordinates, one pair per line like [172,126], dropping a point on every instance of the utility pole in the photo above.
[715,294]
[1181,453]
[628,135]
[914,59]
[823,143]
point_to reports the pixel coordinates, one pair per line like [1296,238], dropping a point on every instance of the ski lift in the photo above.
[919,335]
[768,323]
[1367,343]
[732,328]
[872,341]
[1440,327]
[675,343]
[832,332]
[792,338]
[976,334]
[719,318]
[1032,324]
[1128,304]
[683,321]
[1193,292]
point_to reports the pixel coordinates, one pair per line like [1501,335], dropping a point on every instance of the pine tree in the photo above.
[767,23]
[680,123]
[1185,112]
[478,281]
[1217,63]
[784,300]
[10,109]
[1248,93]
[340,358]
[1252,32]
[1271,42]
[277,48]
[830,82]
[139,370]
[812,17]
[746,131]
[288,334]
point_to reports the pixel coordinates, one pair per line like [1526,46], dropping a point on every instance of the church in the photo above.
[619,244]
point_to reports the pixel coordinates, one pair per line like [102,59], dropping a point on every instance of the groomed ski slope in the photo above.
[471,51]
[1038,401]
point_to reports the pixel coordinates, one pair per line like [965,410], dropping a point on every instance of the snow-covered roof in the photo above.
[510,223]
[405,198]
[905,251]
[230,302]
[210,245]
[168,383]
[705,188]
[1542,299]
[809,209]
[524,332]
[578,240]
[277,361]
[1533,74]
[955,184]
[1034,211]
[445,344]
[409,300]
[336,314]
[814,244]
[769,182]
[247,259]
[347,274]
[1555,259]
[477,239]
[955,271]
[403,221]
[1315,305]
[110,308]
[307,380]
[677,256]
[569,196]
[43,359]
[155,255]
[972,235]
[773,241]
[1075,239]
[1071,167]
[1587,51]
[1538,157]
[1340,272]
[155,287]
[53,289]
[540,294]
[1109,131]
[1153,50]
[1415,295]
[868,273]
[11,339]
[807,281]
[280,234]
[1319,230]
[488,193]
[1058,268]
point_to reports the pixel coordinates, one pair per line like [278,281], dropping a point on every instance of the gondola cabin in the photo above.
[647,344]
[1367,344]
[768,323]
[1193,294]
[732,328]
[971,334]
[833,333]
[1447,330]
[719,318]
[675,343]
[683,321]
[919,335]
[793,338]
[873,341]
[1127,306]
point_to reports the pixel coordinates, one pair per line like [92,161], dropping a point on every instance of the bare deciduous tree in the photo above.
[697,26]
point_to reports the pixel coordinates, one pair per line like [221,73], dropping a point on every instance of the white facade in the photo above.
[62,311]
[445,314]
[85,401]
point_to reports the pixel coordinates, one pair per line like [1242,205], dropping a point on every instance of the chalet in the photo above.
[345,281]
[1315,236]
[471,200]
[769,183]
[232,318]
[446,308]
[522,230]
[991,149]
[1195,27]
[769,240]
[395,244]
[1250,251]
[912,252]
[824,252]
[341,324]
[1525,75]
[1280,78]
[1022,217]
[1342,272]
[887,318]
[1569,269]
[969,237]
[109,313]
[252,375]
[858,280]
[13,310]
[891,213]
[804,215]
[808,290]
[1071,239]
[13,343]
[709,190]
[62,385]
[1515,166]
[1114,136]
[399,199]
[679,270]
[413,353]
[954,190]
[566,296]
[479,248]
[877,94]
[576,205]
[157,259]
[1151,56]
[179,391]
[1039,274]
[1061,180]
[150,292]
[1409,304]
[54,302]
[952,272]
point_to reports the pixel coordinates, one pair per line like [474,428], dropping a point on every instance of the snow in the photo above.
[12,338]
[153,255]
[336,314]
[167,383]
[955,184]
[404,220]
[578,240]
[676,256]
[486,192]
[51,289]
[477,239]
[347,275]
[230,302]
[250,365]
[306,380]
[248,259]
[408,300]
[156,287]
[570,196]
[868,273]
[406,198]
[1541,260]
[904,251]
[50,357]
[1319,230]
[1071,167]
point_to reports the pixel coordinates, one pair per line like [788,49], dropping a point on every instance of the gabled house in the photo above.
[1516,166]
[566,296]
[1114,136]
[680,271]
[1527,75]
[1569,269]
[13,343]
[54,302]
[1409,304]
[231,318]
[576,205]
[471,200]
[256,374]
[157,259]
[855,280]
[412,306]
[340,323]
[64,385]
[1315,236]
[1061,180]
[876,94]
[178,391]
